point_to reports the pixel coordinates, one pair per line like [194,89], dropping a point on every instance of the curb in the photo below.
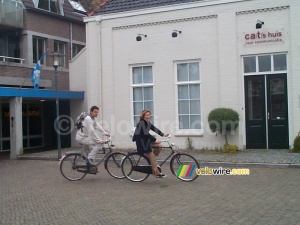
[38,158]
[203,163]
[261,165]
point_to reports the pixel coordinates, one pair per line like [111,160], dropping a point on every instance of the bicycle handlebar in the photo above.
[168,137]
[108,140]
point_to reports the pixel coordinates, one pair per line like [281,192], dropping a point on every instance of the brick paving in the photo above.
[34,192]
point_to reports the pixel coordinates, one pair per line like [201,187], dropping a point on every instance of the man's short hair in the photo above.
[93,108]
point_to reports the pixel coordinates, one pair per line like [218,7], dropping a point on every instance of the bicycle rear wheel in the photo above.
[69,165]
[184,166]
[113,164]
[130,164]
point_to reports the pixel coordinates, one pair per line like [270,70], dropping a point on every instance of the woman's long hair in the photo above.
[142,115]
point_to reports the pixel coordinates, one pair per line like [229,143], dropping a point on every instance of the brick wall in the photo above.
[46,74]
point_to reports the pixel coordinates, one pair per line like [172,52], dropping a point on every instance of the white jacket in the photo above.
[88,135]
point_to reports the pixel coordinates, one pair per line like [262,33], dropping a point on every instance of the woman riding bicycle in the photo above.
[145,141]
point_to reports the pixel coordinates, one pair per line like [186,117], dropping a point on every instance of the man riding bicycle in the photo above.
[88,136]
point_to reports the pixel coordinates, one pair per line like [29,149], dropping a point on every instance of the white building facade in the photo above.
[237,54]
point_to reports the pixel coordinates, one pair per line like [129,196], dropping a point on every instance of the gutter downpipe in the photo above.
[100,64]
[71,39]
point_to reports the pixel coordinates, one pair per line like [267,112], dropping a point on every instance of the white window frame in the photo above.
[62,59]
[257,72]
[59,6]
[34,39]
[190,132]
[132,86]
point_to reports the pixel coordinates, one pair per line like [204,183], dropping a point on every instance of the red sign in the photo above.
[263,37]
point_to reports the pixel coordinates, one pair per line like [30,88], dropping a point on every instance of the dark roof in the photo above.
[115,6]
[69,12]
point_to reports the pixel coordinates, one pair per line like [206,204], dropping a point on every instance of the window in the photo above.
[77,6]
[49,5]
[249,64]
[32,119]
[61,48]
[188,96]
[10,45]
[38,46]
[142,89]
[279,62]
[265,63]
[76,49]
[4,127]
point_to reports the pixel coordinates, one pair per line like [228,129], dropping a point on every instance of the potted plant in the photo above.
[224,120]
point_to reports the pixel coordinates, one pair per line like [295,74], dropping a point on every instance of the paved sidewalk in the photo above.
[34,192]
[257,157]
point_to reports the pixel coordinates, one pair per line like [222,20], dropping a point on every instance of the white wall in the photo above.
[216,39]
[294,71]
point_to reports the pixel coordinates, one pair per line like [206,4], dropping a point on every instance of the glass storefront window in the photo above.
[5,121]
[34,116]
[32,125]
[4,127]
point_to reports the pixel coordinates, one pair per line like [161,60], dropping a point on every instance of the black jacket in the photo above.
[142,136]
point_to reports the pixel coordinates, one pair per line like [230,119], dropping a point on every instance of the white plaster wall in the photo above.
[78,71]
[112,49]
[78,82]
[294,71]
[160,50]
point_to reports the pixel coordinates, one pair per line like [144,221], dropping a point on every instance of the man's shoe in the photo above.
[91,161]
[161,175]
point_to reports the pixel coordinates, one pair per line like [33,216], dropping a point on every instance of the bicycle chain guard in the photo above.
[144,169]
[92,169]
[88,169]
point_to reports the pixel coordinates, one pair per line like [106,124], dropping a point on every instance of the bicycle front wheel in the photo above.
[131,165]
[69,166]
[113,164]
[184,166]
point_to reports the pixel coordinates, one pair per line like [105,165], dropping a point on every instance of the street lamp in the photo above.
[56,57]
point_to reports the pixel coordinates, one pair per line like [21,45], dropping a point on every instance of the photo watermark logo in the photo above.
[186,171]
[64,125]
[222,171]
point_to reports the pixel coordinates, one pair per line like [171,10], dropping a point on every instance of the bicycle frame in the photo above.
[84,153]
[182,165]
[167,147]
[75,162]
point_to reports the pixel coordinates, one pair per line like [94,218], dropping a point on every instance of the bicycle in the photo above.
[74,164]
[136,166]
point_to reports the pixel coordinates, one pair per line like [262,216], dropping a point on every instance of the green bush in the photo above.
[223,120]
[230,148]
[297,143]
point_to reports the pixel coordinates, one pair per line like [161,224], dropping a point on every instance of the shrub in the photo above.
[230,148]
[223,120]
[297,143]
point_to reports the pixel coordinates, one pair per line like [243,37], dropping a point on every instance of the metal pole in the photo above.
[57,115]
